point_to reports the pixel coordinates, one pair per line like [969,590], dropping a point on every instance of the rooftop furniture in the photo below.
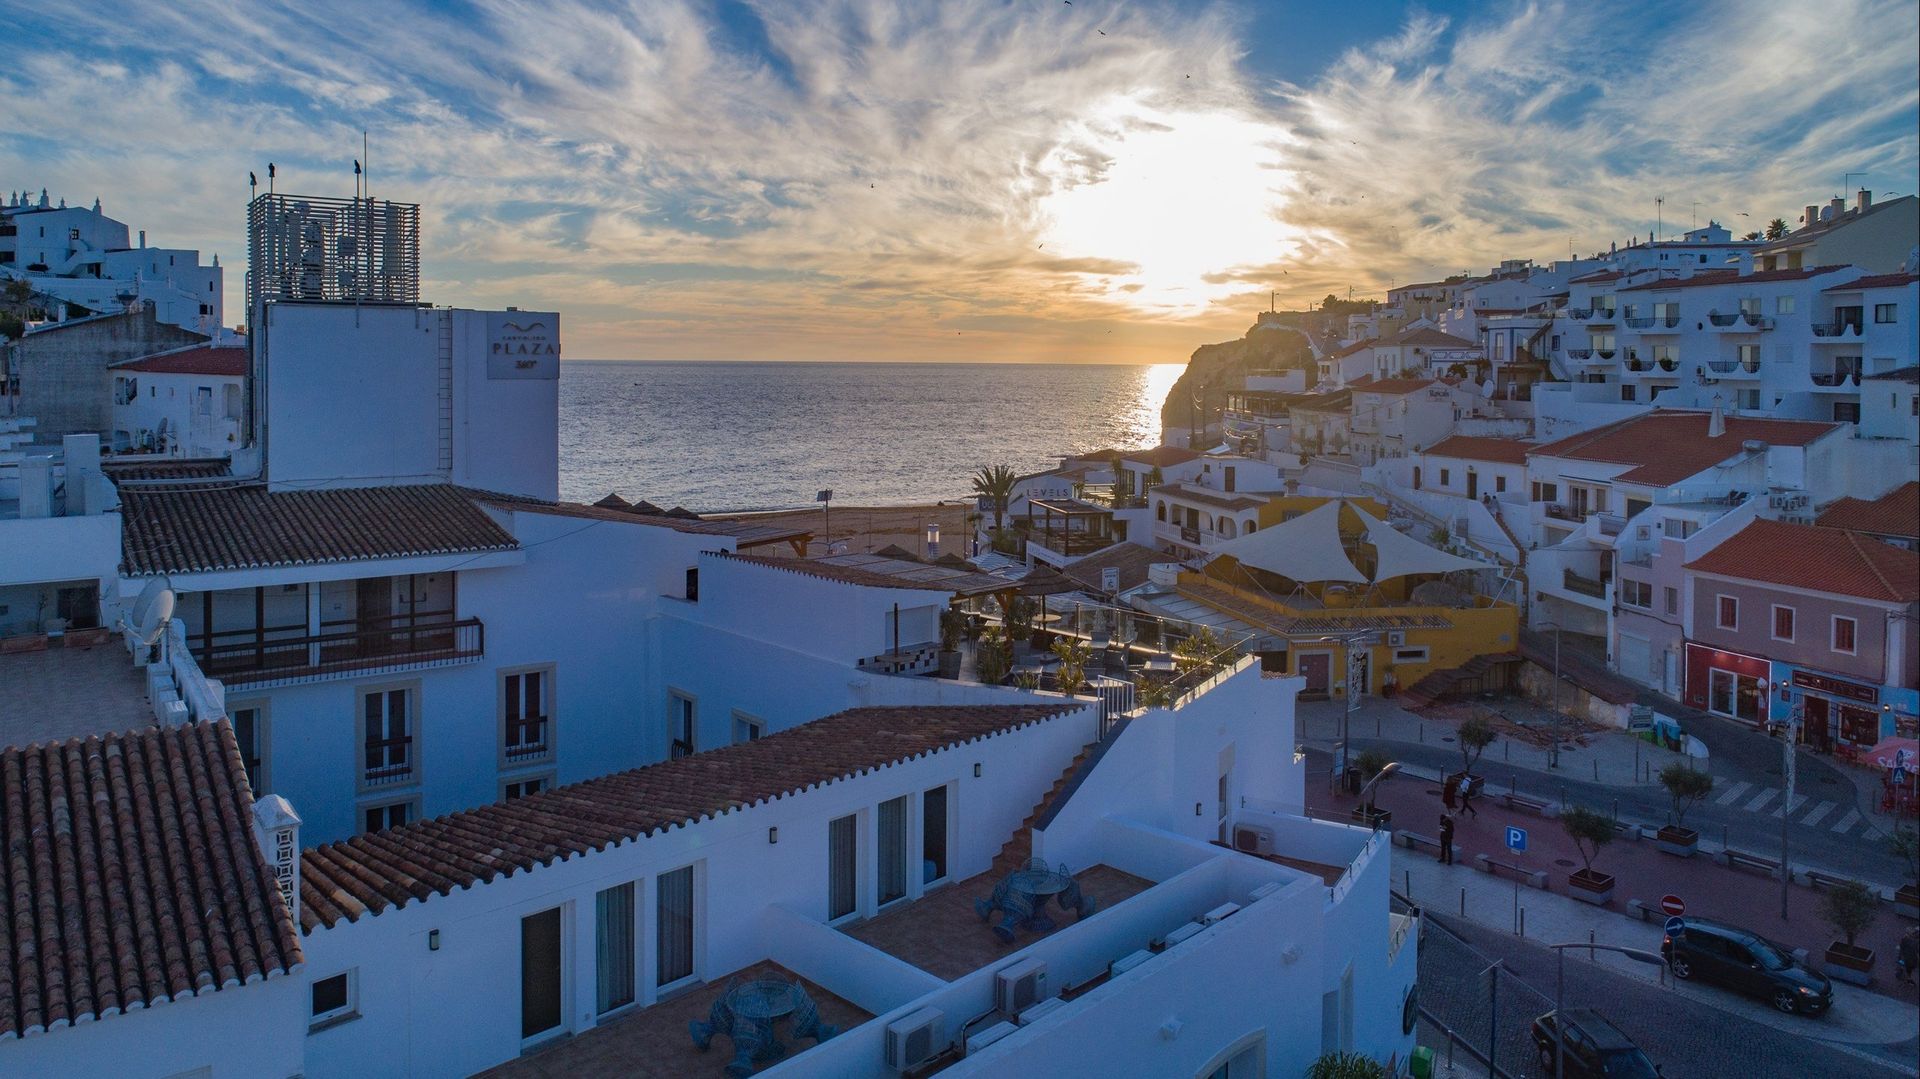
[747,1011]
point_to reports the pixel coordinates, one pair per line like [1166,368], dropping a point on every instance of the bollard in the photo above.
[1376,724]
[1516,904]
[1590,955]
[1506,748]
[1423,732]
[1406,876]
[1523,921]
[1596,769]
[1463,902]
[1616,812]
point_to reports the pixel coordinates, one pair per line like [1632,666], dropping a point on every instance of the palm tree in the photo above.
[1776,228]
[996,482]
[1754,235]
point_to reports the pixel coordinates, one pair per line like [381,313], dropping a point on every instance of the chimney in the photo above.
[1862,201]
[1812,215]
[36,486]
[276,827]
[1838,205]
[1716,423]
[143,238]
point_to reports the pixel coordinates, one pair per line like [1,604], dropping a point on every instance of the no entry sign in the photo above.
[1673,905]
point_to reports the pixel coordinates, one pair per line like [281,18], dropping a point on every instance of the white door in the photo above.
[1636,659]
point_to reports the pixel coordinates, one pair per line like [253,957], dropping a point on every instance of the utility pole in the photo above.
[1493,1018]
[1659,216]
[1786,770]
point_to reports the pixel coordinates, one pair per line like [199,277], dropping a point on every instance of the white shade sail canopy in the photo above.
[1398,555]
[1306,548]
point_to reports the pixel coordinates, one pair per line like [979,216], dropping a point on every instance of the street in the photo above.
[1688,1033]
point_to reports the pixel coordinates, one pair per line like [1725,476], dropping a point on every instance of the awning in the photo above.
[1305,549]
[1399,555]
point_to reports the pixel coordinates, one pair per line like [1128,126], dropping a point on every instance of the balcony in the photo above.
[1603,315]
[1561,512]
[1733,368]
[247,659]
[1739,321]
[1579,314]
[1843,329]
[1639,324]
[1585,586]
[1579,354]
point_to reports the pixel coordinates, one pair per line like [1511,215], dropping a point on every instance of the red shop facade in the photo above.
[1731,684]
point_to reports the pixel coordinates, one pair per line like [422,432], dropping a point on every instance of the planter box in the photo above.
[1680,842]
[1849,963]
[1907,902]
[28,642]
[949,665]
[1590,887]
[1378,818]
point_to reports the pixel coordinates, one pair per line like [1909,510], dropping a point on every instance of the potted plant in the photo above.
[1850,908]
[1905,845]
[1590,830]
[1346,1066]
[1686,786]
[1019,617]
[1389,681]
[953,626]
[1074,655]
[994,658]
[1370,763]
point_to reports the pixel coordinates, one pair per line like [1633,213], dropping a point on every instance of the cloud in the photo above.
[969,179]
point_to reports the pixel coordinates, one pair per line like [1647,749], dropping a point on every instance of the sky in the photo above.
[1095,181]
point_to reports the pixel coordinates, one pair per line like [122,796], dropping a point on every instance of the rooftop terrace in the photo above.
[70,692]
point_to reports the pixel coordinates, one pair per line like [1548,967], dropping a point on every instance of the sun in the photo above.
[1180,196]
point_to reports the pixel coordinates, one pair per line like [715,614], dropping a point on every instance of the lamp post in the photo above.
[1553,751]
[1786,774]
[1355,686]
[1560,983]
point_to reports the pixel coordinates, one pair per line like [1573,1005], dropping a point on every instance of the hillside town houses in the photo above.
[337,743]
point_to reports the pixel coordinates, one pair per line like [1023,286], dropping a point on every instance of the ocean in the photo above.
[755,436]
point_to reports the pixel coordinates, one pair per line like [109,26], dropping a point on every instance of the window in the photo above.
[842,866]
[1410,655]
[1160,511]
[386,730]
[1629,392]
[1637,506]
[250,730]
[1783,305]
[1673,601]
[1846,412]
[1636,594]
[673,926]
[680,725]
[1728,613]
[1679,527]
[693,585]
[1500,484]
[747,728]
[1845,631]
[892,873]
[387,815]
[933,835]
[1885,314]
[521,788]
[331,1000]
[1546,492]
[1446,477]
[526,713]
[1782,623]
[613,947]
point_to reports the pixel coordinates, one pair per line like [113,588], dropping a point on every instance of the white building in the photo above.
[85,258]
[187,402]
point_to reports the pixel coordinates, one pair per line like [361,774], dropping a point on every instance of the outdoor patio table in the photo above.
[762,1002]
[1041,885]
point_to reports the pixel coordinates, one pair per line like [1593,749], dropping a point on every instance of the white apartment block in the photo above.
[81,256]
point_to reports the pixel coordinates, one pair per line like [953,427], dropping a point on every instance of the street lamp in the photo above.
[1559,988]
[1790,735]
[1351,642]
[1553,753]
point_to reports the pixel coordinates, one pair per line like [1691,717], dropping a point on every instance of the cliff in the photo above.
[1273,343]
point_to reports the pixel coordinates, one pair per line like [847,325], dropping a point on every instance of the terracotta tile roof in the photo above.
[1903,374]
[1896,513]
[1333,401]
[1160,456]
[880,571]
[1599,278]
[1811,230]
[1881,280]
[203,529]
[1358,346]
[1208,497]
[747,533]
[368,874]
[1432,338]
[1821,559]
[1730,277]
[1669,445]
[1131,559]
[131,877]
[226,362]
[1505,451]
[1394,387]
[136,470]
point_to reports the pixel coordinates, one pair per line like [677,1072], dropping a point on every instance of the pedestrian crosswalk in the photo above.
[1803,809]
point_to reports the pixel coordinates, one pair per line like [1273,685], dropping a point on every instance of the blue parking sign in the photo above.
[1516,838]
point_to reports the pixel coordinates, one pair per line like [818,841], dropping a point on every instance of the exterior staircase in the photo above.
[1440,683]
[1014,854]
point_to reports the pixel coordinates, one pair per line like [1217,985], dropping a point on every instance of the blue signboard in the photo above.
[1516,838]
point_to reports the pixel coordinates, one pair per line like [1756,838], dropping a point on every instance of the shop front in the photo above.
[1730,684]
[1837,712]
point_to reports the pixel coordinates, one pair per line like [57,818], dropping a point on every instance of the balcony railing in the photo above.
[1639,323]
[1580,314]
[1836,378]
[1730,367]
[1719,319]
[1579,353]
[1603,314]
[1605,353]
[1586,586]
[405,643]
[389,761]
[1846,328]
[1560,512]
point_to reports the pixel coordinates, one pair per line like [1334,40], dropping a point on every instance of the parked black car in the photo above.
[1595,1048]
[1717,952]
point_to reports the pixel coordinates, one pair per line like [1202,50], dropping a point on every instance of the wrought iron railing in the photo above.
[407,642]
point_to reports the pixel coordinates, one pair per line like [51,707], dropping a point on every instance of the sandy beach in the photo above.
[869,528]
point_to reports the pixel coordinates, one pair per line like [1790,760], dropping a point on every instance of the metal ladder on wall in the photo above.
[445,358]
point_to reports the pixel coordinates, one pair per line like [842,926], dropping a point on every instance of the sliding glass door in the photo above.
[673,926]
[842,867]
[613,945]
[893,850]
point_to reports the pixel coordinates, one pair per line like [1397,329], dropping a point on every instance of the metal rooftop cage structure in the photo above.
[309,247]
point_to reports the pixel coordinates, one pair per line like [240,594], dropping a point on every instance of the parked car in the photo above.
[1595,1048]
[1733,957]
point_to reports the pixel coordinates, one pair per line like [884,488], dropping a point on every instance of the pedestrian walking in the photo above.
[1446,839]
[1467,787]
[1909,951]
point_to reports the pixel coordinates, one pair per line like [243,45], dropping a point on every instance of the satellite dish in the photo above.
[152,610]
[1486,389]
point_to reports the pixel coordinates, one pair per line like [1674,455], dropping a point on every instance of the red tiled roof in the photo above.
[747,533]
[1882,280]
[1900,374]
[881,571]
[1358,346]
[1896,513]
[1394,387]
[1730,277]
[369,874]
[1601,277]
[1505,451]
[193,360]
[1131,559]
[131,877]
[175,469]
[201,529]
[1821,559]
[1432,338]
[1161,456]
[1669,445]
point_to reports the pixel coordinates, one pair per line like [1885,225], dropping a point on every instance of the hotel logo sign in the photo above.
[523,344]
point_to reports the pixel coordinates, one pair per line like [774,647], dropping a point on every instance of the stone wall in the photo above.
[62,370]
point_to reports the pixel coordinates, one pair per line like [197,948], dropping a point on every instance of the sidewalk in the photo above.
[1859,1016]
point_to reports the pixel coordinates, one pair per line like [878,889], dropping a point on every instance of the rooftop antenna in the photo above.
[1693,221]
[1659,215]
[270,172]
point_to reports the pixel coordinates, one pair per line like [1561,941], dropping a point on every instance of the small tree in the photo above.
[1074,655]
[1590,830]
[1154,693]
[1850,908]
[994,658]
[1685,786]
[1198,654]
[1904,844]
[953,626]
[1476,734]
[1019,617]
[1346,1066]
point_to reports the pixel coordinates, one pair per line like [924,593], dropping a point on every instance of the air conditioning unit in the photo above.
[914,1039]
[988,1036]
[1019,986]
[1127,962]
[1218,913]
[1252,839]
[1396,638]
[1041,1010]
[1185,932]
